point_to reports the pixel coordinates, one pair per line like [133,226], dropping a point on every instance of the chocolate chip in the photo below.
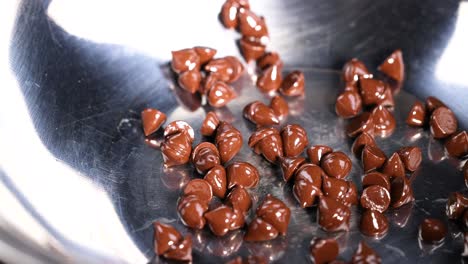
[216,177]
[275,212]
[220,220]
[376,178]
[293,84]
[362,123]
[376,198]
[280,107]
[165,236]
[177,145]
[260,230]
[384,121]
[401,192]
[417,115]
[432,103]
[393,66]
[200,188]
[360,142]
[342,191]
[220,94]
[373,223]
[336,164]
[411,157]
[290,165]
[205,53]
[432,230]
[237,68]
[228,140]
[333,216]
[387,99]
[307,184]
[242,174]
[267,142]
[457,145]
[205,156]
[270,79]
[269,59]
[191,209]
[294,140]
[209,125]
[252,25]
[315,153]
[372,90]
[260,114]
[239,199]
[372,158]
[323,250]
[394,166]
[443,122]
[365,254]
[181,252]
[229,14]
[152,119]
[251,50]
[456,205]
[348,104]
[176,127]
[185,60]
[354,70]
[223,68]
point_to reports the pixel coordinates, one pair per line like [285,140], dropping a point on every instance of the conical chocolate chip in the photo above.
[393,66]
[152,119]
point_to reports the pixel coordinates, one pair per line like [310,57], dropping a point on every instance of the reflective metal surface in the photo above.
[78,184]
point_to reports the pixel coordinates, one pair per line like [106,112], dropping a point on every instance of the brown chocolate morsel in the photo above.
[432,230]
[376,178]
[351,87]
[374,223]
[333,216]
[387,99]
[260,114]
[280,107]
[238,219]
[365,254]
[191,209]
[305,193]
[200,188]
[336,164]
[432,103]
[269,59]
[219,220]
[175,127]
[375,198]
[289,166]
[456,205]
[270,79]
[220,94]
[216,177]
[228,140]
[229,14]
[251,25]
[251,50]
[315,153]
[362,123]
[209,125]
[242,174]
[165,236]
[372,90]
[348,104]
[343,191]
[372,158]
[401,192]
[181,252]
[443,122]
[354,70]
[393,66]
[310,173]
[185,60]
[351,197]
[411,157]
[417,115]
[176,149]
[384,121]
[239,199]
[268,142]
[237,68]
[260,230]
[205,156]
[222,68]
[294,140]
[457,145]
[323,250]
[207,82]
[360,142]
[205,53]
[275,212]
[394,166]
[293,84]
[152,119]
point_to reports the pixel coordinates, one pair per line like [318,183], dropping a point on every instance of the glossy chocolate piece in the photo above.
[372,90]
[372,158]
[267,142]
[222,68]
[289,166]
[268,59]
[365,254]
[209,125]
[280,107]
[307,184]
[362,123]
[228,140]
[411,157]
[387,99]
[185,60]
[315,153]
[152,119]
[394,167]
[401,192]
[205,156]
[181,252]
[176,127]
[432,103]
[260,114]
[457,145]
[336,164]
[275,212]
[332,215]
[200,188]
[229,14]
[251,25]
[376,198]
[443,122]
[270,79]
[323,250]
[360,142]
[348,104]
[205,53]
[220,94]
[384,121]
[432,231]
[417,115]
[351,87]
[293,84]
[294,140]
[191,210]
[219,220]
[239,199]
[237,68]
[260,230]
[342,191]
[207,82]
[216,177]
[176,149]
[165,236]
[354,70]
[242,174]
[373,223]
[393,66]
[251,50]
[457,203]
[376,178]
